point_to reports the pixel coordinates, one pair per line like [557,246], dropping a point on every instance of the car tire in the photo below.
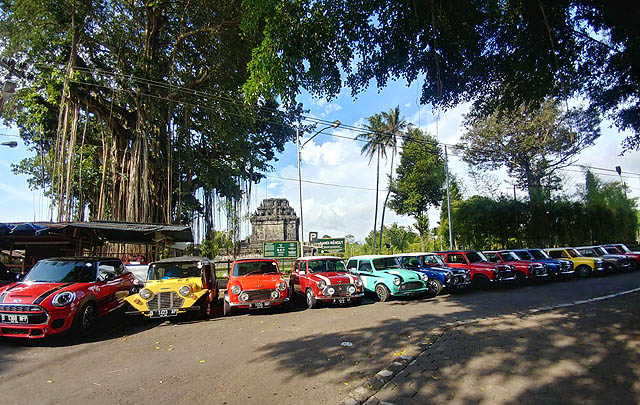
[292,292]
[227,309]
[383,293]
[312,302]
[85,319]
[583,270]
[434,286]
[480,282]
[610,268]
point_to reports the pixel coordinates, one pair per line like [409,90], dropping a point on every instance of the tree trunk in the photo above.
[384,206]
[375,217]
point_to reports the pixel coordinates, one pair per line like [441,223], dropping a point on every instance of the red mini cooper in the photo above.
[324,278]
[63,294]
[255,283]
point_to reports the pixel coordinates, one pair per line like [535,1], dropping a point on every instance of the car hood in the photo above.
[257,281]
[34,293]
[406,275]
[333,277]
[615,257]
[173,284]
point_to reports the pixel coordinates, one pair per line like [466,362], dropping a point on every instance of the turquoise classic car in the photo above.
[383,276]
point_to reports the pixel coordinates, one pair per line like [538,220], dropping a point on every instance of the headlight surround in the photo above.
[184,290]
[63,299]
[331,291]
[495,271]
[425,278]
[236,289]
[352,290]
[397,281]
[321,285]
[282,286]
[358,282]
[145,293]
[275,295]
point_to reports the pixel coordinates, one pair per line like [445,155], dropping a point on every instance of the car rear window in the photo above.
[258,267]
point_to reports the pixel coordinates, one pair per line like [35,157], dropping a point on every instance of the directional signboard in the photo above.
[280,249]
[331,245]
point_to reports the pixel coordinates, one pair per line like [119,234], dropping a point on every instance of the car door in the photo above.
[295,275]
[365,271]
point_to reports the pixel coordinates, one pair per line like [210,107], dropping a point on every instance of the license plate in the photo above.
[15,318]
[340,300]
[260,305]
[163,313]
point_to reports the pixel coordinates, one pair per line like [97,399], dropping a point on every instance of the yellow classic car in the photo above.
[175,286]
[583,265]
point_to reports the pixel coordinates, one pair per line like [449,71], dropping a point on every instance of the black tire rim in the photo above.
[88,316]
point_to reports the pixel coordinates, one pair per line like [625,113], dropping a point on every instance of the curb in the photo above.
[364,394]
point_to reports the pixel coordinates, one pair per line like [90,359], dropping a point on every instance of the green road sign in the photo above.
[331,245]
[280,249]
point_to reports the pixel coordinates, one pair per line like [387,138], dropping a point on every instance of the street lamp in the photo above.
[334,124]
[624,186]
[11,144]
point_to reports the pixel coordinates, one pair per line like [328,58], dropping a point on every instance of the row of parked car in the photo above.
[70,294]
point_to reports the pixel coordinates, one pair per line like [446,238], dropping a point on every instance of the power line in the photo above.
[326,184]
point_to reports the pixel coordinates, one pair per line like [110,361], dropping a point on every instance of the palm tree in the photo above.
[393,126]
[375,146]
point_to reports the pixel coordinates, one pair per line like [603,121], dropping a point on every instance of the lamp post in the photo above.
[11,144]
[335,124]
[624,186]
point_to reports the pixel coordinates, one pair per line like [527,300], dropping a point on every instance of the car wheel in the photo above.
[227,308]
[434,286]
[85,319]
[383,293]
[583,270]
[610,267]
[292,292]
[311,299]
[480,282]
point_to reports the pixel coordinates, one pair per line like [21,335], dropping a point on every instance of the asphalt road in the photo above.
[258,357]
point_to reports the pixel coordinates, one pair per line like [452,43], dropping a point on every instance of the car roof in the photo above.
[414,254]
[370,257]
[257,259]
[92,258]
[318,257]
[182,259]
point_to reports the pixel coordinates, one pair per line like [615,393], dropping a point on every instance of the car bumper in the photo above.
[251,304]
[410,293]
[148,313]
[338,298]
[57,322]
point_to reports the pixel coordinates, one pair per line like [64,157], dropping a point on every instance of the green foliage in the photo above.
[395,239]
[497,54]
[216,243]
[419,178]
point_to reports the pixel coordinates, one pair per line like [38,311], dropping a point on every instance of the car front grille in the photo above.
[259,295]
[36,314]
[165,300]
[341,289]
[505,274]
[457,280]
[411,285]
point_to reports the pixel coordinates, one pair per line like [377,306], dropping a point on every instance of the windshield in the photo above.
[612,250]
[624,248]
[509,256]
[62,271]
[538,254]
[321,266]
[573,253]
[589,252]
[524,255]
[261,267]
[600,250]
[165,271]
[412,262]
[432,260]
[385,263]
[475,257]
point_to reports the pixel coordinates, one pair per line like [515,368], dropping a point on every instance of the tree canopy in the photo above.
[497,54]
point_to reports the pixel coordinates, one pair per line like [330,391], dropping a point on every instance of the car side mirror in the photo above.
[302,272]
[20,276]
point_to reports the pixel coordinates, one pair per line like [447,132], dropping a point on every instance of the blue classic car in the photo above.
[556,267]
[440,275]
[383,276]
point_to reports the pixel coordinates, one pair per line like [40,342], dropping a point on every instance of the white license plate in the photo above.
[15,318]
[260,305]
[163,313]
[340,300]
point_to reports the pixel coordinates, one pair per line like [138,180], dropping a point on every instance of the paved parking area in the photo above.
[290,357]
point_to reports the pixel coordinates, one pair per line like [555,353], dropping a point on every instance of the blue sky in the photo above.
[340,211]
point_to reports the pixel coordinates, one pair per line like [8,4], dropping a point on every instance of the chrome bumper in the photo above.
[239,304]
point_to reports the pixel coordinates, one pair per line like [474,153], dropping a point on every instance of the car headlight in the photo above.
[63,299]
[275,295]
[321,285]
[425,278]
[236,289]
[184,290]
[495,271]
[282,286]
[396,281]
[244,297]
[331,291]
[145,293]
[358,282]
[447,277]
[352,290]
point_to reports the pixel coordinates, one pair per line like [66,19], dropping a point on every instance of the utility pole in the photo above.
[624,186]
[446,169]
[301,236]
[515,210]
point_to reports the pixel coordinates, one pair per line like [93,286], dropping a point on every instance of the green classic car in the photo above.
[383,276]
